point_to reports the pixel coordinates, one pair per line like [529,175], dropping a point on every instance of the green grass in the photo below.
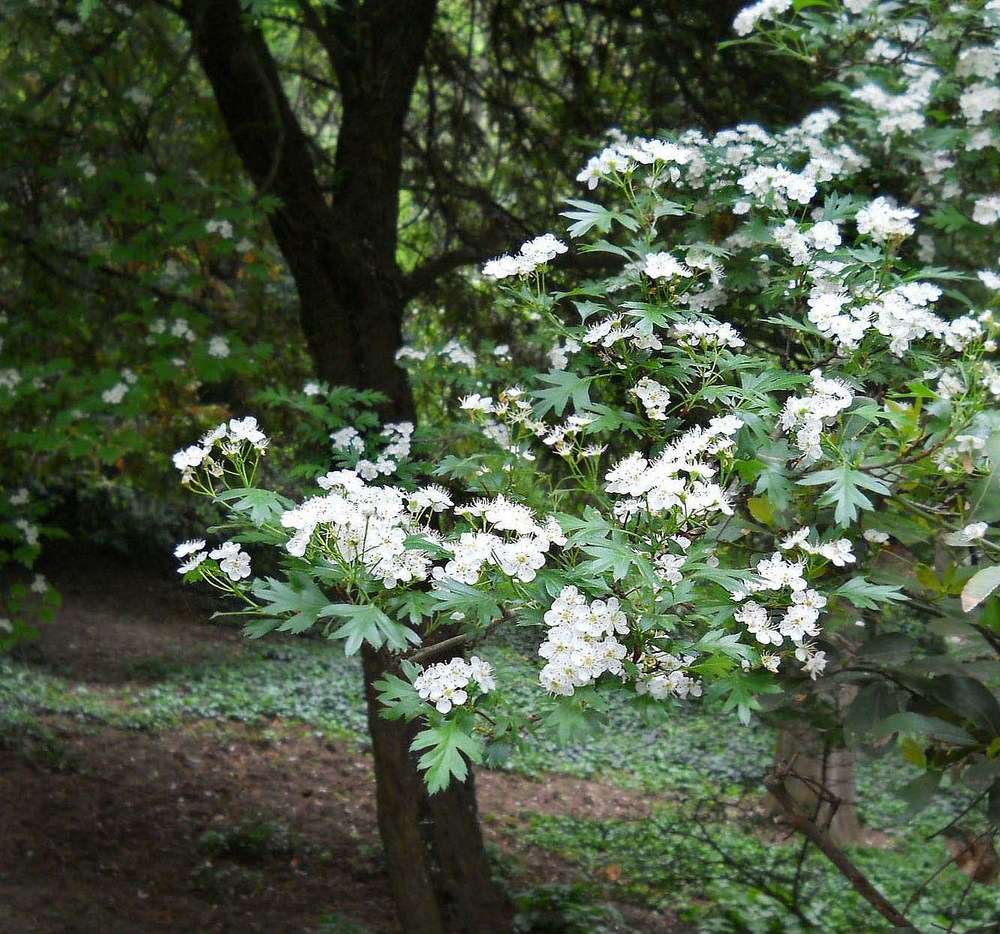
[699,853]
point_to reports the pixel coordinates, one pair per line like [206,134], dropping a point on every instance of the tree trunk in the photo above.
[342,255]
[827,786]
[438,869]
[823,780]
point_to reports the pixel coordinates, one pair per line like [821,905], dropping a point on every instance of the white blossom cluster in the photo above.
[358,524]
[624,155]
[610,330]
[840,553]
[559,353]
[986,210]
[581,644]
[704,333]
[748,18]
[966,453]
[884,220]
[767,184]
[218,347]
[746,163]
[566,439]
[223,228]
[398,436]
[665,675]
[29,530]
[446,684]
[902,314]
[665,266]
[802,243]
[232,438]
[807,415]
[904,112]
[454,350]
[511,540]
[117,393]
[233,561]
[654,398]
[533,253]
[783,582]
[972,533]
[679,479]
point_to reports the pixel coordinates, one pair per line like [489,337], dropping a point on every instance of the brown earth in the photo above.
[218,826]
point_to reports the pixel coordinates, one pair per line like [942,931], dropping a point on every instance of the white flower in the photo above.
[223,228]
[654,397]
[476,403]
[542,249]
[747,19]
[233,561]
[967,536]
[838,553]
[883,219]
[191,563]
[39,585]
[825,236]
[664,266]
[190,457]
[115,394]
[986,210]
[218,346]
[445,683]
[189,547]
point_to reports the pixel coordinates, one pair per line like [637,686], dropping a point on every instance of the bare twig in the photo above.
[776,786]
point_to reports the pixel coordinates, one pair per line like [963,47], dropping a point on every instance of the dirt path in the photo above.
[215,827]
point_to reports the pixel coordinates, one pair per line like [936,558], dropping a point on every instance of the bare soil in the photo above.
[218,826]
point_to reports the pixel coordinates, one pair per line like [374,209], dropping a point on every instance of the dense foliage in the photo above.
[743,499]
[751,460]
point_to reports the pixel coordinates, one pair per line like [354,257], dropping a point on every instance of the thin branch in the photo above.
[776,786]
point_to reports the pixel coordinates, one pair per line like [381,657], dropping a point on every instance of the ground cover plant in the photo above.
[282,697]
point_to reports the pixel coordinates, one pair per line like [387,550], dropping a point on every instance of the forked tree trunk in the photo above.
[342,255]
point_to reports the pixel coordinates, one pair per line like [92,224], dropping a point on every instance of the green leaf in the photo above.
[867,596]
[891,648]
[982,584]
[367,623]
[575,717]
[969,699]
[918,793]
[300,597]
[910,722]
[948,219]
[444,759]
[399,698]
[993,802]
[741,689]
[874,703]
[591,214]
[844,490]
[565,386]
[450,596]
[720,642]
[263,505]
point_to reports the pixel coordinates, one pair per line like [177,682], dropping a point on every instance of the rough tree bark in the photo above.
[341,251]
